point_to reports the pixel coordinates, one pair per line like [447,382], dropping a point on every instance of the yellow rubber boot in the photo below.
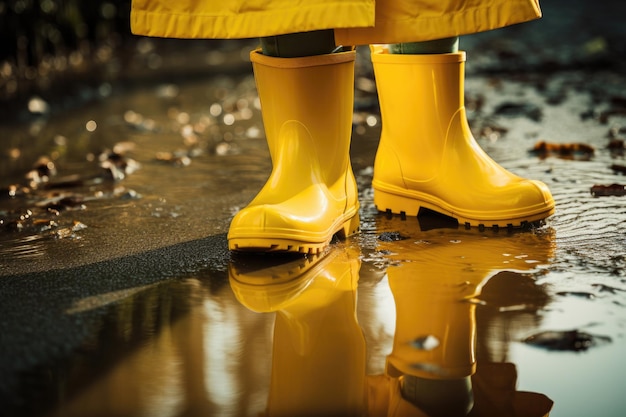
[311,194]
[427,156]
[318,359]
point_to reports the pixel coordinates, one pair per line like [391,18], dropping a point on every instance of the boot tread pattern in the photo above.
[348,228]
[510,227]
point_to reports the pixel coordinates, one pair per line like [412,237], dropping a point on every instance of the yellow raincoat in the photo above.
[356,22]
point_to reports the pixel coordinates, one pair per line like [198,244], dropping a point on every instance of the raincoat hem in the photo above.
[244,25]
[423,28]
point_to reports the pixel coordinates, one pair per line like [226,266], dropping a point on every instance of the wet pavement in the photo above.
[118,296]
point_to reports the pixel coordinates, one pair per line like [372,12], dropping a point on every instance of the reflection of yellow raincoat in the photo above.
[356,22]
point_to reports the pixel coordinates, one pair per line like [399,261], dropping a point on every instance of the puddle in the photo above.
[286,334]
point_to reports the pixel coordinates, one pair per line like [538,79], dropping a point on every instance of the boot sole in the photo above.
[409,207]
[269,244]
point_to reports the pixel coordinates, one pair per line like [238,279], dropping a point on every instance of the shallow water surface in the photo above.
[450,311]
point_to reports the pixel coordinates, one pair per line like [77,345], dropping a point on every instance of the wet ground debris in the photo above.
[41,212]
[579,294]
[616,147]
[70,231]
[38,220]
[391,237]
[175,158]
[599,190]
[607,288]
[474,103]
[615,131]
[62,202]
[618,169]
[511,109]
[569,340]
[116,165]
[43,170]
[35,206]
[616,109]
[140,123]
[605,115]
[578,151]
[179,158]
[492,131]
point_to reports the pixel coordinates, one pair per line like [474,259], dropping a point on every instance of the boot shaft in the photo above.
[425,92]
[315,93]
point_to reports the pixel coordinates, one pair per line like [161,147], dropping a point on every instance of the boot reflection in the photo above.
[318,358]
[436,282]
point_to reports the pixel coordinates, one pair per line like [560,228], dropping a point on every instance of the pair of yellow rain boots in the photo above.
[426,158]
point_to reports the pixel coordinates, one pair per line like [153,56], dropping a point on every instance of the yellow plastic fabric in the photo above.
[413,21]
[427,156]
[357,21]
[245,18]
[311,193]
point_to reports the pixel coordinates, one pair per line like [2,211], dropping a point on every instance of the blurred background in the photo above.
[48,45]
[53,48]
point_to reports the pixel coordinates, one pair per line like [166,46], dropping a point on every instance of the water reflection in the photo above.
[417,324]
[318,358]
[179,348]
[433,368]
[437,280]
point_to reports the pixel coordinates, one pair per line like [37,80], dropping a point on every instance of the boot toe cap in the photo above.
[271,221]
[525,201]
[536,194]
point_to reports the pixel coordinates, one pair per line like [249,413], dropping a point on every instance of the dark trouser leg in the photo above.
[438,46]
[295,45]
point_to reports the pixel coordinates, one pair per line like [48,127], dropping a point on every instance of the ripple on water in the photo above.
[23,247]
